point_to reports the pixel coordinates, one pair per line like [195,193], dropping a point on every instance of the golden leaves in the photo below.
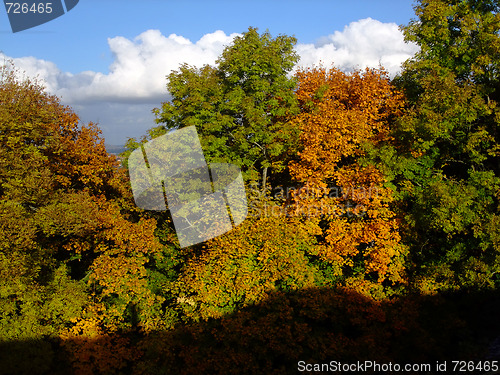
[340,114]
[243,266]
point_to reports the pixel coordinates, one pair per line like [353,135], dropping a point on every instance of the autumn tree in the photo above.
[314,325]
[74,248]
[268,252]
[346,197]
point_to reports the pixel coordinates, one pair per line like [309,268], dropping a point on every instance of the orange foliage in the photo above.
[341,113]
[92,350]
[65,186]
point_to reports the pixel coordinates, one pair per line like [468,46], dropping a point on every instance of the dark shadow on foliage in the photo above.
[311,325]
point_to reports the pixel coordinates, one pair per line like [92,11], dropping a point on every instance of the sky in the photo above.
[109,59]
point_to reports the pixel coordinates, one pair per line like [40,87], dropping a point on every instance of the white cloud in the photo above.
[140,66]
[138,70]
[364,43]
[137,76]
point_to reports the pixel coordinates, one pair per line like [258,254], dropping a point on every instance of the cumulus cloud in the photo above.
[140,66]
[138,72]
[364,43]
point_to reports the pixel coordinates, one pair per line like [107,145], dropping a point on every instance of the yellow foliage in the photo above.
[340,114]
[242,267]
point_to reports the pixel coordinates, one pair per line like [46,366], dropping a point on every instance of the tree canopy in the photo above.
[373,227]
[447,160]
[240,105]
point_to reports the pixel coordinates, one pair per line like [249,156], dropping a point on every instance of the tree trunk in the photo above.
[264,180]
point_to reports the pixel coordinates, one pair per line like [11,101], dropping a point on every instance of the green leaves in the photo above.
[240,106]
[459,36]
[447,169]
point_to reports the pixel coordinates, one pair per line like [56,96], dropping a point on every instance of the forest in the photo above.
[373,226]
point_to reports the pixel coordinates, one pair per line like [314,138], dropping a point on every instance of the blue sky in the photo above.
[108,59]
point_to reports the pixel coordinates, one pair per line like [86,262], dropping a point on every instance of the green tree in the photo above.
[460,36]
[240,105]
[447,162]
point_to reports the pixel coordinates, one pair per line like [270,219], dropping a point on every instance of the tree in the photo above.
[74,248]
[240,105]
[343,194]
[447,162]
[264,254]
[459,36]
